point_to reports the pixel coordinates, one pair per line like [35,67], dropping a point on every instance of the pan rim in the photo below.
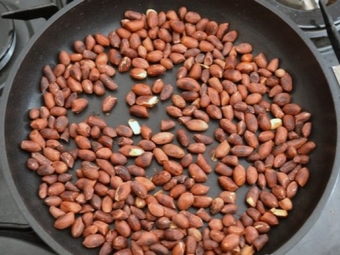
[58,247]
[35,225]
[334,177]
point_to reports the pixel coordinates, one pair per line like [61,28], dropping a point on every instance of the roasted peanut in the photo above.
[218,81]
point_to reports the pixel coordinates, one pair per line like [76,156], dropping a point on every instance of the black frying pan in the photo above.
[315,90]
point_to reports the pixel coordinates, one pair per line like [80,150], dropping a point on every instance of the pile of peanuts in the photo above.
[115,200]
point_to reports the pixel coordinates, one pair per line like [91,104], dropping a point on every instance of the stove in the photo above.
[307,15]
[16,236]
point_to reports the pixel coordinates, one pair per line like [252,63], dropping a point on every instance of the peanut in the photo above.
[218,82]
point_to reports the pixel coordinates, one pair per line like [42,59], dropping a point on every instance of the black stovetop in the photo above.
[16,236]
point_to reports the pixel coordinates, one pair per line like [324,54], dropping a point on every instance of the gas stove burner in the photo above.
[305,5]
[7,38]
[307,15]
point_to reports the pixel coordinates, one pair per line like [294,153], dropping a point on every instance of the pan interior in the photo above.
[267,32]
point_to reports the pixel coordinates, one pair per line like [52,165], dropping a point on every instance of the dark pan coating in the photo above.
[269,33]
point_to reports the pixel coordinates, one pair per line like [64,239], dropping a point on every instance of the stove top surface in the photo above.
[8,38]
[16,241]
[16,236]
[24,30]
[21,31]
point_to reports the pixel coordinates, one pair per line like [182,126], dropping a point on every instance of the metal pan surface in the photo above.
[269,32]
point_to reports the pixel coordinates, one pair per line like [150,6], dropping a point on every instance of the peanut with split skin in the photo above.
[219,81]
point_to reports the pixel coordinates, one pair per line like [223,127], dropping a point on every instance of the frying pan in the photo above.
[315,90]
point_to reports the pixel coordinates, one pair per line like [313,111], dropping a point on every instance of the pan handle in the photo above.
[332,32]
[333,35]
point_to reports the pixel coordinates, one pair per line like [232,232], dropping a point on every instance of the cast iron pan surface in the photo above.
[268,32]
